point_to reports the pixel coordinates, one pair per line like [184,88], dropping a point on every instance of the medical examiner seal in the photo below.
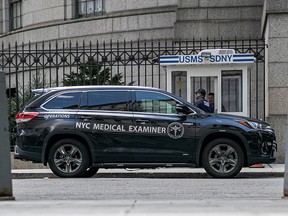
[175,130]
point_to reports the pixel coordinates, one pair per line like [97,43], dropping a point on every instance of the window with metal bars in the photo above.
[15,14]
[88,8]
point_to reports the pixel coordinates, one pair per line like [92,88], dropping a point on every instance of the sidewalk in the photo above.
[268,171]
[142,207]
[243,207]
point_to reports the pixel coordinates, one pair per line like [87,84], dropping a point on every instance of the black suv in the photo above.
[77,130]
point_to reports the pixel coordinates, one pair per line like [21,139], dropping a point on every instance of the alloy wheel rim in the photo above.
[223,158]
[68,158]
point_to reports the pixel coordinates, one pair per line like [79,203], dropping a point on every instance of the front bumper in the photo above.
[262,146]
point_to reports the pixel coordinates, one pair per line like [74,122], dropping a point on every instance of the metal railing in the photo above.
[41,65]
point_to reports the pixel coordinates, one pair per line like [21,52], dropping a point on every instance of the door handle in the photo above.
[142,121]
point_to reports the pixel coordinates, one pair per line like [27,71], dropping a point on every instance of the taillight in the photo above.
[25,116]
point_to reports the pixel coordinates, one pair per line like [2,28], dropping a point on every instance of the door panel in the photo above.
[105,117]
[161,135]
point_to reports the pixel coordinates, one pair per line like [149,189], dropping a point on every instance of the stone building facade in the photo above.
[274,28]
[35,21]
[43,20]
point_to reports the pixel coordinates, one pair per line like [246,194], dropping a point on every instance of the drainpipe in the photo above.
[5,162]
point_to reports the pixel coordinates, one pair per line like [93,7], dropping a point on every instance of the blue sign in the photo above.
[213,59]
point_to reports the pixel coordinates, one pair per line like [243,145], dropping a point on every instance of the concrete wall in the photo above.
[39,12]
[113,6]
[132,20]
[200,19]
[4,16]
[125,19]
[275,30]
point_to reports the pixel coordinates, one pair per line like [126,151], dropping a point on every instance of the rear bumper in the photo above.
[21,154]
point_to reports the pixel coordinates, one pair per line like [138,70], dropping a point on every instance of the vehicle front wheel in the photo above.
[69,158]
[223,158]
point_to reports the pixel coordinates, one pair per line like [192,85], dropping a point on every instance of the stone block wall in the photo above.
[125,19]
[218,19]
[275,30]
[137,20]
[39,12]
[113,6]
[4,16]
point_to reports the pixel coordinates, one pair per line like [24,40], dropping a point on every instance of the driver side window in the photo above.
[154,102]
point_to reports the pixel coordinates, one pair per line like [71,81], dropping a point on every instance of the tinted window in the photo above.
[64,101]
[154,102]
[106,100]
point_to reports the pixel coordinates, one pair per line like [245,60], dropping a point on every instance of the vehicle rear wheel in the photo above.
[223,158]
[69,158]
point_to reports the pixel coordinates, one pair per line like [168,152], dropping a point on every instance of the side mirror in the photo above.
[181,108]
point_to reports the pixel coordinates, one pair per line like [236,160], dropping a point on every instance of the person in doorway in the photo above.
[201,102]
[210,99]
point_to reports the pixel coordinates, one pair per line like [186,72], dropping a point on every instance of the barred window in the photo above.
[16,14]
[87,8]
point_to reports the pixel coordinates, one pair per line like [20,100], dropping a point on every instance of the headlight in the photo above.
[254,125]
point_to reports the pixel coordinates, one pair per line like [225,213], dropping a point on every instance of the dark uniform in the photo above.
[203,104]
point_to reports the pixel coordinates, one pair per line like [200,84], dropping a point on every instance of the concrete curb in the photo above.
[152,175]
[276,171]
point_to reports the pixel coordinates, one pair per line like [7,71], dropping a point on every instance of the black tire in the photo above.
[90,172]
[69,158]
[223,158]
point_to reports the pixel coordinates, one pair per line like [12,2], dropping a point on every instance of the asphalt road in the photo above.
[148,189]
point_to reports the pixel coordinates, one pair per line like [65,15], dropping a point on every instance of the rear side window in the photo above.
[106,100]
[64,101]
